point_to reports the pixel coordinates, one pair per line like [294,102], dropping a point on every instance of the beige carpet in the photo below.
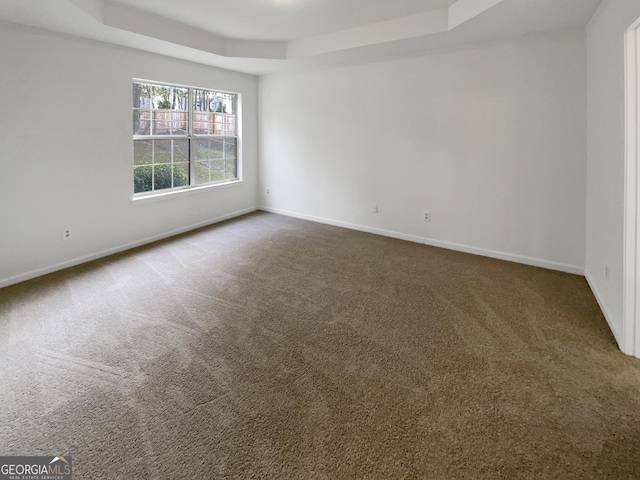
[270,347]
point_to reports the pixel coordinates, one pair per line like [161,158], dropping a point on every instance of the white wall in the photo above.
[491,139]
[605,159]
[66,151]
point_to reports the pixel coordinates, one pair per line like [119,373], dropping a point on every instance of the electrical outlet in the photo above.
[426,215]
[374,208]
[66,234]
[607,273]
[267,191]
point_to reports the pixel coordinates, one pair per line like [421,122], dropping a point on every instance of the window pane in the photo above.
[142,152]
[166,164]
[141,108]
[214,113]
[162,175]
[168,111]
[180,99]
[201,148]
[181,151]
[202,172]
[142,179]
[180,175]
[169,98]
[179,123]
[203,123]
[162,151]
[201,158]
[141,122]
[161,124]
[160,95]
[225,124]
[168,123]
[203,100]
[215,159]
[230,149]
[142,95]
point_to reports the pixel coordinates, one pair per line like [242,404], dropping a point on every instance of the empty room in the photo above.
[320,239]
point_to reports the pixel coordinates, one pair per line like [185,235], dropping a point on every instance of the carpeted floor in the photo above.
[270,347]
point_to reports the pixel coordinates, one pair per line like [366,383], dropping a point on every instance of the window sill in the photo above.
[139,199]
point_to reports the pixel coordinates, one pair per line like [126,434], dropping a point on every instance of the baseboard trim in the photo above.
[105,253]
[605,311]
[534,262]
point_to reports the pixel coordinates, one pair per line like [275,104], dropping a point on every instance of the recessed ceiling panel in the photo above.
[303,33]
[282,20]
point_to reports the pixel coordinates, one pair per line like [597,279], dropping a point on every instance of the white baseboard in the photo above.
[363,228]
[605,309]
[535,262]
[87,258]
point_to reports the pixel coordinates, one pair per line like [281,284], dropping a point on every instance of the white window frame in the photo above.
[190,138]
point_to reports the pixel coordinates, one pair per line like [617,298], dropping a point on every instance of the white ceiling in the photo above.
[282,20]
[265,36]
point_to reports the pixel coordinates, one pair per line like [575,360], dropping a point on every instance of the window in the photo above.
[183,137]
